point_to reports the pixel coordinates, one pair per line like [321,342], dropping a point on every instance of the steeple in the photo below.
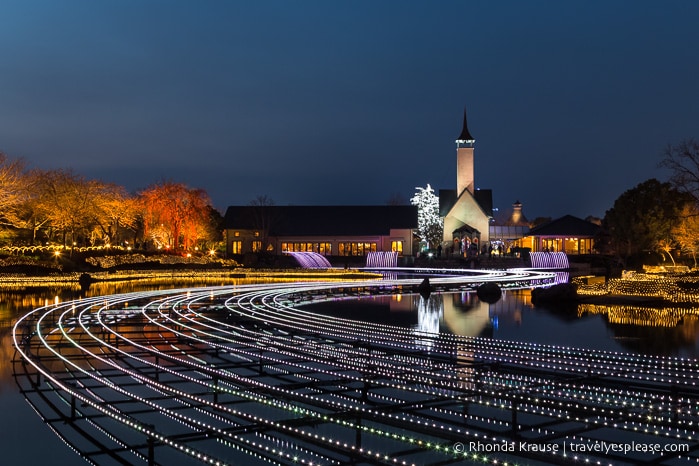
[465,137]
[464,161]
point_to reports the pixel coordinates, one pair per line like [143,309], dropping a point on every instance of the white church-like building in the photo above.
[466,210]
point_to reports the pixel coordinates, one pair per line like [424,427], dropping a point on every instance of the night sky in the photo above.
[330,102]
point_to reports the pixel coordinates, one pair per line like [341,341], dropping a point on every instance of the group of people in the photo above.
[498,250]
[469,249]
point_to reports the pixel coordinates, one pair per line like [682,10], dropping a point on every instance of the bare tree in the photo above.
[397,199]
[683,161]
[264,217]
[262,200]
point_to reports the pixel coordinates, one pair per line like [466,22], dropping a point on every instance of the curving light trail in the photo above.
[245,375]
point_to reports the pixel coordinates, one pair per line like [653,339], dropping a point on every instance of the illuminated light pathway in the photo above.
[245,375]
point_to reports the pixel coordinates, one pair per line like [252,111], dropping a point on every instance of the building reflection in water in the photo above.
[430,310]
[457,313]
[670,331]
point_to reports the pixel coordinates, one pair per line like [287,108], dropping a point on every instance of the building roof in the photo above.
[322,220]
[566,226]
[465,133]
[508,232]
[484,197]
[448,197]
[468,229]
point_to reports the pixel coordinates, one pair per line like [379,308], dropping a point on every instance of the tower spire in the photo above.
[465,136]
[464,161]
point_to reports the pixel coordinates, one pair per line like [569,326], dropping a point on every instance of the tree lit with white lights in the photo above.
[429,223]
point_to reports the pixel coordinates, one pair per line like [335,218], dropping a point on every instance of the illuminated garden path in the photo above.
[244,375]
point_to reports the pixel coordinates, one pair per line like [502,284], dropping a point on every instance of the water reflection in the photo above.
[458,313]
[647,330]
[17,300]
[430,311]
[663,331]
[658,331]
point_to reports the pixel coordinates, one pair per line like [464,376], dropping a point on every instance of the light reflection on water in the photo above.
[664,331]
[614,328]
[19,443]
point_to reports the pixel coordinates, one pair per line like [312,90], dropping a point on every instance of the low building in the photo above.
[327,230]
[567,234]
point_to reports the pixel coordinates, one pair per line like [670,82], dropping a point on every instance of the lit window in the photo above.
[236,247]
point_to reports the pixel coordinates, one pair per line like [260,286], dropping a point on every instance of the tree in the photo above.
[12,189]
[210,233]
[174,214]
[117,213]
[30,214]
[69,203]
[683,161]
[397,199]
[643,217]
[540,221]
[686,230]
[429,223]
[264,218]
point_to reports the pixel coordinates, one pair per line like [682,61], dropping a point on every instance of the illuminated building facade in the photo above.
[327,230]
[511,230]
[567,234]
[466,210]
[470,226]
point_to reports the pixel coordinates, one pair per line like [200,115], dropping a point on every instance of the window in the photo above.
[356,249]
[236,234]
[256,246]
[321,248]
[256,234]
[397,246]
[236,247]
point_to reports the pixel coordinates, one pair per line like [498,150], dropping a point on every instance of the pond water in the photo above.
[26,440]
[620,328]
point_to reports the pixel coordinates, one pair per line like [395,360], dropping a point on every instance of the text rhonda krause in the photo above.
[573,447]
[486,447]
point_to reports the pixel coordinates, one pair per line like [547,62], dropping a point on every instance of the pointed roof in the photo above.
[448,199]
[514,217]
[465,135]
[566,226]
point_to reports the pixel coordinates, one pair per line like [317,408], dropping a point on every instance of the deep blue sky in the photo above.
[329,102]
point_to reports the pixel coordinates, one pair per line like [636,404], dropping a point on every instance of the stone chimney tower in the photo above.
[516,212]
